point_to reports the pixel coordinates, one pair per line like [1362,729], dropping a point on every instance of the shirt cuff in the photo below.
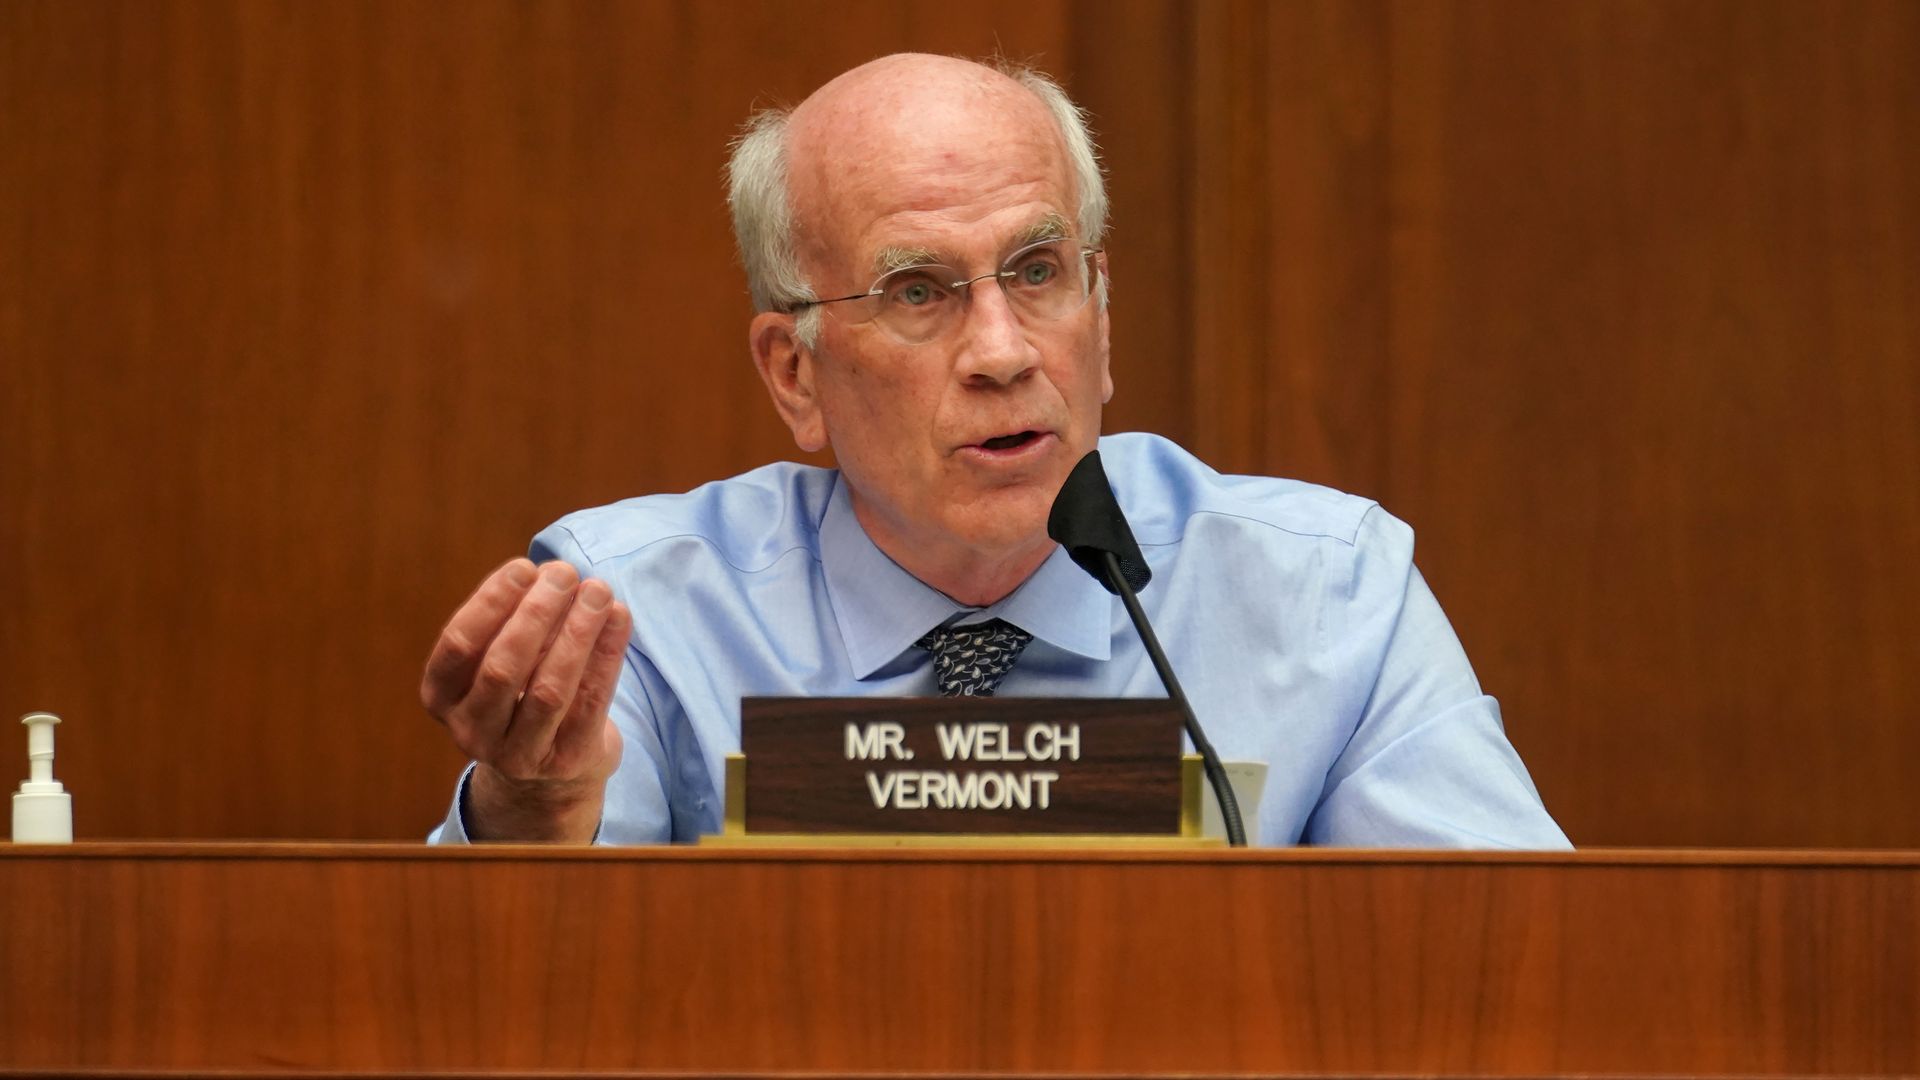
[454,829]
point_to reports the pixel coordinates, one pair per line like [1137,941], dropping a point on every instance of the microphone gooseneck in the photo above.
[1087,521]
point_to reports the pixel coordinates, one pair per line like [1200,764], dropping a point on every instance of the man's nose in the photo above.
[994,347]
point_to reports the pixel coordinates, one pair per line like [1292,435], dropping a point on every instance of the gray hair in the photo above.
[763,208]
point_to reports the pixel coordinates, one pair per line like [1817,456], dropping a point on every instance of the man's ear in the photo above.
[1106,324]
[787,367]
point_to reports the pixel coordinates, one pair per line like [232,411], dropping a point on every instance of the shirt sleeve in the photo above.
[636,810]
[454,829]
[1429,764]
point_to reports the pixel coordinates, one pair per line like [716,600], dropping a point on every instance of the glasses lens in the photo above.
[1047,281]
[916,304]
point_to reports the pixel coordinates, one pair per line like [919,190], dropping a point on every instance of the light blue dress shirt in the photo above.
[1293,614]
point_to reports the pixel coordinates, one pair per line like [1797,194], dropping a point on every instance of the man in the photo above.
[922,240]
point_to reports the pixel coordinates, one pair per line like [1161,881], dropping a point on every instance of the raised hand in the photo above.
[521,678]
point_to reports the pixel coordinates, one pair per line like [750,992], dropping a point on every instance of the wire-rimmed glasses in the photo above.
[916,304]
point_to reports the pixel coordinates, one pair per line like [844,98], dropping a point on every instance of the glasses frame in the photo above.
[964,286]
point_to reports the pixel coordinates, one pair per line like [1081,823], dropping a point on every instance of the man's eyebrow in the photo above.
[888,259]
[1051,227]
[899,258]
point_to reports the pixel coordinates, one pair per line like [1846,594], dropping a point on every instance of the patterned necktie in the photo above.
[969,661]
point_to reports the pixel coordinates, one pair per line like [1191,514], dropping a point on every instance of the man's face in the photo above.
[957,445]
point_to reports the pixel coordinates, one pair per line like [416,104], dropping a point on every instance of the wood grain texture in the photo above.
[1655,395]
[311,313]
[1291,165]
[314,313]
[1615,304]
[1129,65]
[391,959]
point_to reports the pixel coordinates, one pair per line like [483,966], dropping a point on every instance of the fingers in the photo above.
[555,683]
[456,656]
[524,673]
[481,718]
[583,736]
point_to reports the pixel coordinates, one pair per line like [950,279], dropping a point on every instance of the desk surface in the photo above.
[325,959]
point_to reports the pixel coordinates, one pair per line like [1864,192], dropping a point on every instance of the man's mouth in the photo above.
[1008,442]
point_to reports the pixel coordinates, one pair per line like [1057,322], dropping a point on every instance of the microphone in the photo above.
[1086,520]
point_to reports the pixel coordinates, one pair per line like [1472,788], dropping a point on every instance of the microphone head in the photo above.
[1087,521]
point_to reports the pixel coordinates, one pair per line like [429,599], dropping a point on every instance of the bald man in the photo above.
[922,239]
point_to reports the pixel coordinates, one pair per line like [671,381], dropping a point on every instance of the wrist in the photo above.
[502,809]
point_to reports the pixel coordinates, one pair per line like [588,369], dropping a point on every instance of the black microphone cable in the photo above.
[1209,760]
[1086,519]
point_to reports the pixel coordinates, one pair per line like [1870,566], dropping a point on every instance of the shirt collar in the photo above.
[882,610]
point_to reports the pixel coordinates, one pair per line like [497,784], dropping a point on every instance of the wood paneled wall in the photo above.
[311,313]
[1616,304]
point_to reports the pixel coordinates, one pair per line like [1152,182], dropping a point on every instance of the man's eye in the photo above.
[917,293]
[1037,272]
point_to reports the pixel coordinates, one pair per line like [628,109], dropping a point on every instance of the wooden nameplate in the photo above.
[961,772]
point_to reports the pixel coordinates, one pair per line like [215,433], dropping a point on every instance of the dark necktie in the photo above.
[969,661]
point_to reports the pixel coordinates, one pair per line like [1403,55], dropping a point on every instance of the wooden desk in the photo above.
[390,960]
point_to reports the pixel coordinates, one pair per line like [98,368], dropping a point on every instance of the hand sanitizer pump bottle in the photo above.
[42,809]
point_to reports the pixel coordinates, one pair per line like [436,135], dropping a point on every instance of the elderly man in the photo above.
[922,240]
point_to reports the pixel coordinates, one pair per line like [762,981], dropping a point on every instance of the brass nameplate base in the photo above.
[962,773]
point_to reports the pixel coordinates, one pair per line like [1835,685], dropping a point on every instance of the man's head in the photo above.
[952,446]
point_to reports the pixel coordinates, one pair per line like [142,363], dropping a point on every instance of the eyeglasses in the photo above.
[917,304]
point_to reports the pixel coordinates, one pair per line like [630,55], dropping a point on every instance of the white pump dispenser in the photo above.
[42,809]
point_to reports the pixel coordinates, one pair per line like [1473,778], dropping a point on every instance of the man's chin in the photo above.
[1006,519]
